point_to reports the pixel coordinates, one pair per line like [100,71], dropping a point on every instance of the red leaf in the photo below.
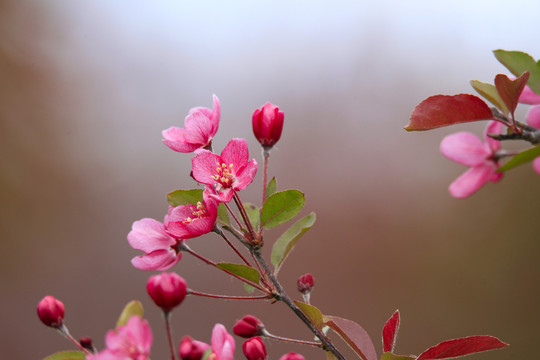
[389,333]
[443,110]
[460,347]
[354,335]
[509,90]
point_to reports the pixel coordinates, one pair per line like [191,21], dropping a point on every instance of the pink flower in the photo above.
[248,326]
[267,124]
[467,149]
[190,349]
[292,356]
[223,346]
[533,115]
[229,172]
[149,235]
[167,290]
[189,221]
[254,349]
[200,126]
[130,342]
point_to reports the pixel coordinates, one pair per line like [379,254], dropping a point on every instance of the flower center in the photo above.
[198,212]
[224,175]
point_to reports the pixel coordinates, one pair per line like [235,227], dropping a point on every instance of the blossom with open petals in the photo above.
[189,221]
[200,126]
[160,248]
[129,342]
[467,149]
[232,171]
[533,115]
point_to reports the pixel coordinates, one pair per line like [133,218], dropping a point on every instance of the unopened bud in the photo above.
[248,326]
[87,343]
[190,349]
[268,124]
[51,311]
[167,290]
[305,283]
[292,356]
[254,349]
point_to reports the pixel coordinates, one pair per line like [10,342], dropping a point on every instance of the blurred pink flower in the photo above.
[149,235]
[200,126]
[189,221]
[229,172]
[467,149]
[130,342]
[533,115]
[223,345]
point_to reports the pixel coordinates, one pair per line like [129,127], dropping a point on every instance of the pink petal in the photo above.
[174,139]
[493,127]
[471,181]
[536,165]
[204,166]
[224,195]
[175,224]
[533,117]
[149,235]
[198,128]
[464,148]
[213,115]
[159,260]
[222,343]
[236,152]
[246,175]
[529,97]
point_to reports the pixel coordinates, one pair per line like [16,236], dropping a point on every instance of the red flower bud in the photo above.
[254,349]
[305,283]
[190,349]
[248,326]
[167,290]
[87,343]
[51,311]
[268,124]
[292,356]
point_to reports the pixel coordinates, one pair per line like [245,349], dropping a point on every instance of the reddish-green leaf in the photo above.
[354,335]
[460,347]
[489,92]
[509,90]
[521,158]
[312,313]
[133,307]
[443,110]
[66,355]
[390,356]
[389,333]
[518,62]
[244,271]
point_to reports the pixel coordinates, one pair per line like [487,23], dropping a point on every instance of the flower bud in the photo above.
[190,349]
[292,356]
[248,326]
[254,349]
[87,343]
[51,311]
[167,290]
[305,283]
[268,124]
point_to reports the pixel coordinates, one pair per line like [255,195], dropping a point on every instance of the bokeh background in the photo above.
[87,86]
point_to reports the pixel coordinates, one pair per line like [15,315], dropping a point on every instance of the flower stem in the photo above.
[167,315]
[64,331]
[218,231]
[244,216]
[228,297]
[296,341]
[266,155]
[282,296]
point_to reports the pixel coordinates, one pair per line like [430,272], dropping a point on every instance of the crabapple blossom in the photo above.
[268,124]
[167,290]
[149,235]
[482,158]
[229,172]
[51,311]
[129,342]
[200,126]
[533,115]
[292,356]
[248,326]
[190,349]
[223,345]
[254,349]
[189,221]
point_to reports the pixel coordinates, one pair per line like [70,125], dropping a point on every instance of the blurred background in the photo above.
[86,87]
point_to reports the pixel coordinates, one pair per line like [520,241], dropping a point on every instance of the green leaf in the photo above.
[185,197]
[249,289]
[390,356]
[271,188]
[330,356]
[253,213]
[314,314]
[443,110]
[222,214]
[354,335]
[286,242]
[490,93]
[521,158]
[518,62]
[244,271]
[134,307]
[281,207]
[206,354]
[67,355]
